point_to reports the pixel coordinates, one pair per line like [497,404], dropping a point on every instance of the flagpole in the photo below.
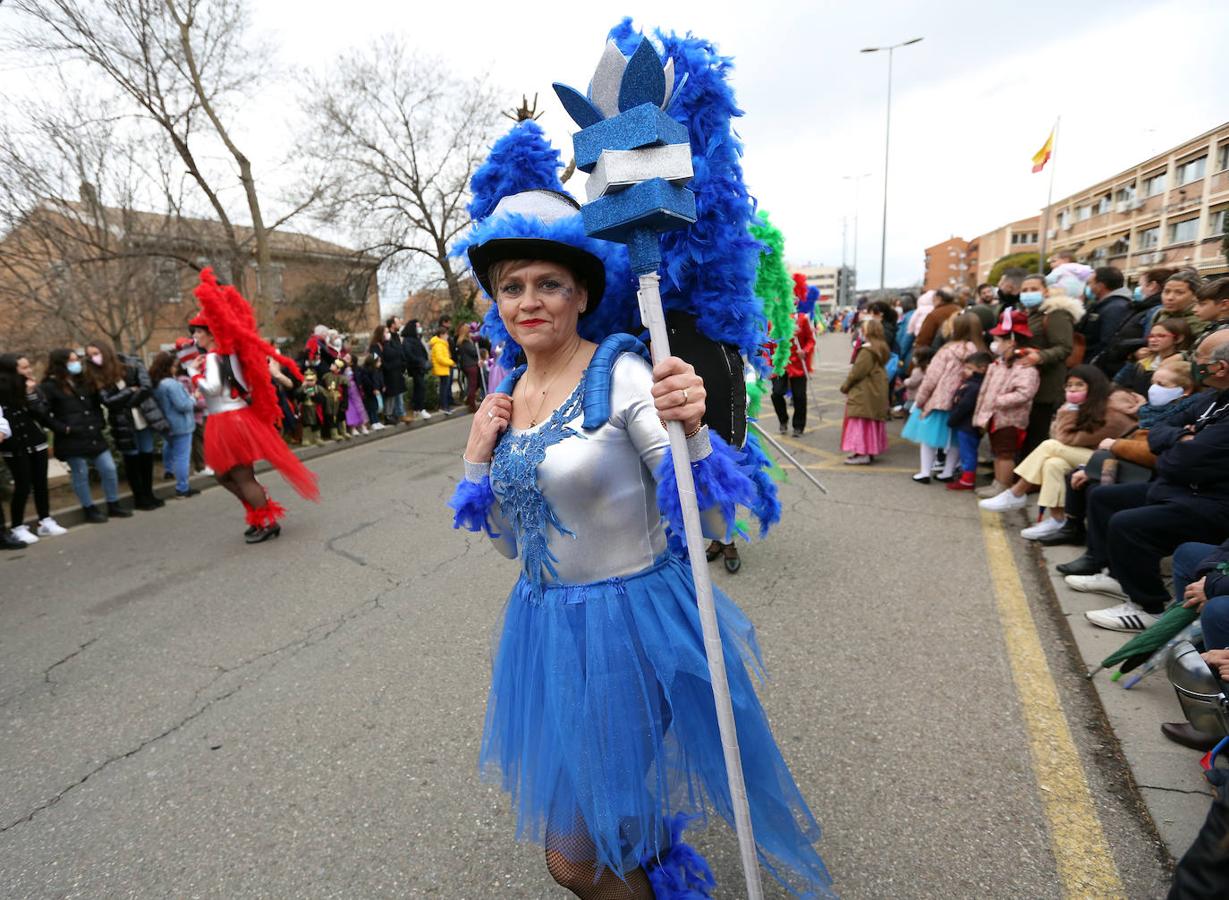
[1045,215]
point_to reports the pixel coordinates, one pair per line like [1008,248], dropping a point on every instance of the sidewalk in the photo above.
[72,514]
[1168,776]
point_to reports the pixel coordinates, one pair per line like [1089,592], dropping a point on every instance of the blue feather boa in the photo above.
[680,873]
[471,502]
[721,481]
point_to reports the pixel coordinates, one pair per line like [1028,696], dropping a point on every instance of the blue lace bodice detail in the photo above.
[514,477]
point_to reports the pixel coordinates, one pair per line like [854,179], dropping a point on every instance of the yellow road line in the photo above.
[1085,864]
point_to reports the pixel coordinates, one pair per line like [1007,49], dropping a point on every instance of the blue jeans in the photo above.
[144,438]
[166,454]
[1215,615]
[181,454]
[1186,559]
[79,466]
[1215,622]
[967,441]
[394,405]
[446,392]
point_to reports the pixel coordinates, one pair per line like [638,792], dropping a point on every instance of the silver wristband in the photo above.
[699,446]
[475,472]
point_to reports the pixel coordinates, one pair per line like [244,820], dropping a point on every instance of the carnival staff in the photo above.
[600,713]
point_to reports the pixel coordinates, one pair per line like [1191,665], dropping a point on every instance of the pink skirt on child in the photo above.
[868,437]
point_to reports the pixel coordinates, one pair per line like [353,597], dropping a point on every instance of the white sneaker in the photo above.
[1004,502]
[377,426]
[1127,616]
[206,471]
[423,413]
[22,533]
[1046,527]
[365,430]
[49,527]
[1101,583]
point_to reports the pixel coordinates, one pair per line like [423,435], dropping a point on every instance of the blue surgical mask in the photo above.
[1163,396]
[1088,294]
[74,368]
[1138,293]
[1030,299]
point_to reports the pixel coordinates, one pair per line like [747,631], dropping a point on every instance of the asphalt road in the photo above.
[182,715]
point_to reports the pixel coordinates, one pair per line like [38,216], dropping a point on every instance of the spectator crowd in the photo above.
[105,413]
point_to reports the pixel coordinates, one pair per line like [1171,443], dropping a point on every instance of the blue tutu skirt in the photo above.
[931,431]
[601,713]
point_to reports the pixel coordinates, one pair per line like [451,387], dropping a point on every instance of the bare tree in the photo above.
[402,136]
[72,269]
[182,63]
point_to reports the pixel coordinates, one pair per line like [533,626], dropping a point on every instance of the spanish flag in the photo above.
[1042,156]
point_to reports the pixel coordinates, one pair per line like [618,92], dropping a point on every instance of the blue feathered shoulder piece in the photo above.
[709,267]
[597,378]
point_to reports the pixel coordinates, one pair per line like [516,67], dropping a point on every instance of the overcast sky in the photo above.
[971,103]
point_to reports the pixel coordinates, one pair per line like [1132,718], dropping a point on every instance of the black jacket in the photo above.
[394,364]
[467,355]
[1116,351]
[965,403]
[137,393]
[1194,472]
[1215,568]
[74,414]
[28,424]
[1102,321]
[417,361]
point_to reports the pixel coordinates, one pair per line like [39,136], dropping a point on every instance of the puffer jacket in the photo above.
[1053,326]
[74,414]
[441,358]
[1006,396]
[137,393]
[28,426]
[943,376]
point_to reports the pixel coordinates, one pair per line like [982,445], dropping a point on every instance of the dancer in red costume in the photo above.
[233,375]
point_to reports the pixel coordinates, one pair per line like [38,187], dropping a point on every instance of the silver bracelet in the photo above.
[699,446]
[475,472]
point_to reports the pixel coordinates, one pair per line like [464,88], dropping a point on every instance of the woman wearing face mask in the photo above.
[25,450]
[1167,340]
[124,386]
[417,362]
[74,412]
[1087,417]
[1052,318]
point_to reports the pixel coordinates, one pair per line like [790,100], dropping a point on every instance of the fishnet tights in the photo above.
[571,860]
[241,481]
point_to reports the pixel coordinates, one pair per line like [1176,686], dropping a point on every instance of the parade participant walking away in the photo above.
[1089,416]
[1167,340]
[928,421]
[1052,318]
[442,365]
[417,362]
[233,375]
[794,381]
[1005,399]
[25,452]
[864,433]
[593,760]
[468,362]
[960,420]
[123,385]
[75,416]
[178,408]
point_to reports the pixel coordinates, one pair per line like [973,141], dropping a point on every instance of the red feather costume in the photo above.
[242,427]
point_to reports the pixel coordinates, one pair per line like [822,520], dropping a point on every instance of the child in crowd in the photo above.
[1006,399]
[921,359]
[864,434]
[1171,393]
[1089,416]
[1212,307]
[333,389]
[964,404]
[311,407]
[1168,339]
[928,422]
[370,376]
[356,410]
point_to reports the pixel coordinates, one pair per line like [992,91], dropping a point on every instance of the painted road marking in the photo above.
[1085,864]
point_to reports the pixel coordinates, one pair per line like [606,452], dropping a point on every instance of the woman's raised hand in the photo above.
[678,393]
[490,421]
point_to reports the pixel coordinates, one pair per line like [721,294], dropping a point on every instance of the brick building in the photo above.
[1023,236]
[948,266]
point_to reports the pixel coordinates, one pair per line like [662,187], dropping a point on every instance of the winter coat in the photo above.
[27,427]
[1198,326]
[930,328]
[965,402]
[1193,473]
[416,359]
[866,387]
[176,405]
[1053,326]
[441,359]
[394,364]
[943,376]
[370,381]
[137,393]
[467,355]
[1102,320]
[74,414]
[1063,428]
[1129,337]
[804,337]
[1006,396]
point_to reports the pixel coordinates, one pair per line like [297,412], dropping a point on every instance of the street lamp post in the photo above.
[887,143]
[857,183]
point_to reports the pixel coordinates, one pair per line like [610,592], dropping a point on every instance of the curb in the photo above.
[71,516]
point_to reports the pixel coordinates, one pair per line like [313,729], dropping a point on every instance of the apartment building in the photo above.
[948,265]
[1023,236]
[836,283]
[1172,209]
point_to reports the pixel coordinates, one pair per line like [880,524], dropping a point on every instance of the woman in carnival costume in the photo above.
[232,373]
[600,721]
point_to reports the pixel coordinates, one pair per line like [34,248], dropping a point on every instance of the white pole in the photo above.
[654,318]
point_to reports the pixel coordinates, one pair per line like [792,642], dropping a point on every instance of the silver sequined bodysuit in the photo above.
[581,506]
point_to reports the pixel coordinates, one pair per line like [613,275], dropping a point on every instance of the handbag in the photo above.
[1118,472]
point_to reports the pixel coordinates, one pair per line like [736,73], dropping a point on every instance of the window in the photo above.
[1125,195]
[1082,213]
[1154,184]
[1103,205]
[356,288]
[1064,219]
[166,280]
[1220,221]
[1191,170]
[1186,230]
[1222,157]
[1150,237]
